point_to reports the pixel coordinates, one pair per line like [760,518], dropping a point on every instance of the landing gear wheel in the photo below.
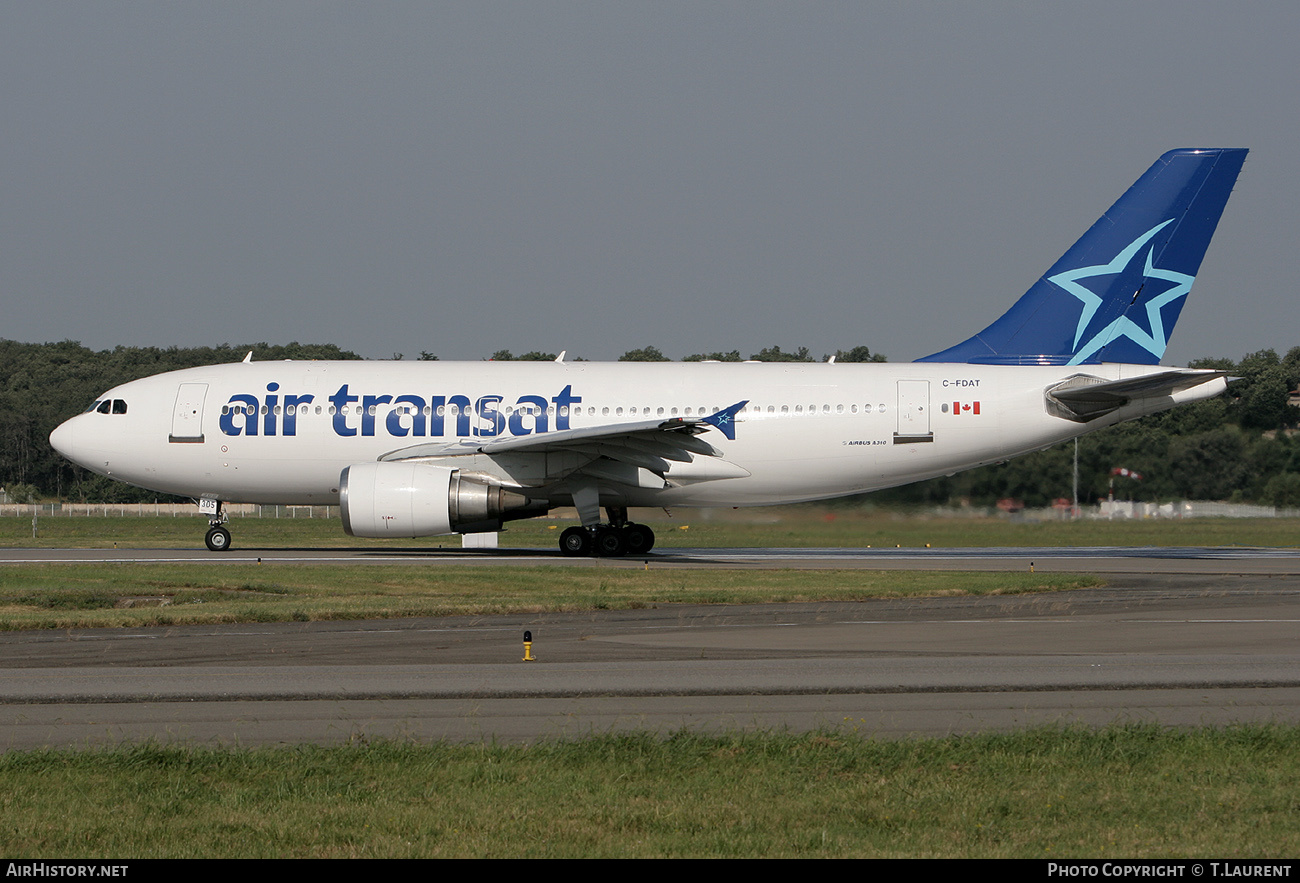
[575,542]
[639,538]
[610,542]
[218,540]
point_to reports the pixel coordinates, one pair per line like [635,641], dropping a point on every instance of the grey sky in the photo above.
[464,177]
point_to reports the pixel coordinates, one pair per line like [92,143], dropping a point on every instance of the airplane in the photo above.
[415,449]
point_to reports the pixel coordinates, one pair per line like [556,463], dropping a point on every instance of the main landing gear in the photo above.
[218,538]
[613,540]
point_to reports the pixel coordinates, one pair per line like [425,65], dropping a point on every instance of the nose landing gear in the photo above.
[218,538]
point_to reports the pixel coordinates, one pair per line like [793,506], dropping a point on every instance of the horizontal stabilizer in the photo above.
[1083,397]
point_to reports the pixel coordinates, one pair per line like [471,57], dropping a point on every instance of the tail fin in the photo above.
[1116,294]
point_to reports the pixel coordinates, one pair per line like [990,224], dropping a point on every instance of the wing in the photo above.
[653,445]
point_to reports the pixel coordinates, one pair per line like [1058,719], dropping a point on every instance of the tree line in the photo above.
[654,354]
[1239,446]
[43,384]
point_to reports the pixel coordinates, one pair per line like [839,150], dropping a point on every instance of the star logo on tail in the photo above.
[1137,274]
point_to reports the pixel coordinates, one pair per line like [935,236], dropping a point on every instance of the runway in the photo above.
[1179,637]
[1076,559]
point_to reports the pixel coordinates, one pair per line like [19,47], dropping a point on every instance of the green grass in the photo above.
[96,595]
[1119,792]
[1136,791]
[788,526]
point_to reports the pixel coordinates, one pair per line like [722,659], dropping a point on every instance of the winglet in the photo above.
[725,419]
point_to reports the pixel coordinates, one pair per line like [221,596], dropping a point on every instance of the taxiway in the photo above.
[1178,637]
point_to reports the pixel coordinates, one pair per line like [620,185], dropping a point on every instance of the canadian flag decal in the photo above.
[969,407]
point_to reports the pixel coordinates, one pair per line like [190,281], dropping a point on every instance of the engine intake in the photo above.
[412,499]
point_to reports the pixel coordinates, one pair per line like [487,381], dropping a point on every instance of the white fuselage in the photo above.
[809,431]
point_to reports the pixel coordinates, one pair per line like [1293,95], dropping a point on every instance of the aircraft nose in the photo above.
[81,439]
[64,439]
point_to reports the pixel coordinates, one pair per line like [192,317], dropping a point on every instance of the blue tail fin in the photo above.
[1116,294]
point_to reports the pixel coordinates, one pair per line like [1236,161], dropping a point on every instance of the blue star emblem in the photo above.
[725,420]
[1154,339]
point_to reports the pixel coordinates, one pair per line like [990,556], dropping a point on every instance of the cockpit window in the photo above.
[104,406]
[108,406]
[119,406]
[93,406]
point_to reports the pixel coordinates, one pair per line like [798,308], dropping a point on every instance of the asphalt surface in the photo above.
[1096,559]
[1179,637]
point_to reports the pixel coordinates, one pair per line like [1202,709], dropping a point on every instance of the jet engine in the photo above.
[413,499]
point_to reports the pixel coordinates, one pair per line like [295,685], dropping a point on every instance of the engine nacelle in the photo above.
[413,499]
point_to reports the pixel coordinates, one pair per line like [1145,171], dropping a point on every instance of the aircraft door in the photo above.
[913,412]
[187,416]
